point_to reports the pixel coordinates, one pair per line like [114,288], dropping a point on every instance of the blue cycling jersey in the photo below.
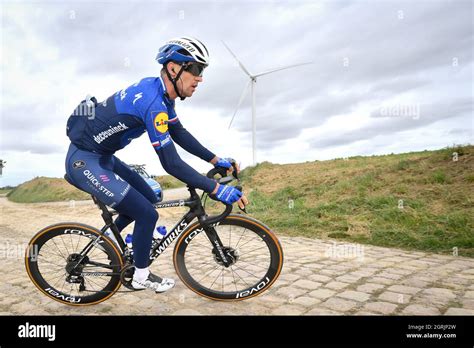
[126,115]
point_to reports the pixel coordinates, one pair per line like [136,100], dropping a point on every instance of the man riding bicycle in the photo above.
[146,106]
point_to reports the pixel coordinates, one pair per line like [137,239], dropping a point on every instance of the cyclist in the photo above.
[146,106]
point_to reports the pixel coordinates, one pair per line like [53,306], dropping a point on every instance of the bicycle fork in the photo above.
[217,245]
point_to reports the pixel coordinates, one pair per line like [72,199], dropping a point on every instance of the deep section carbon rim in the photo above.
[255,252]
[55,251]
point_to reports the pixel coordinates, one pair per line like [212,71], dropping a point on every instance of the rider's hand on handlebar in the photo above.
[226,194]
[242,202]
[226,163]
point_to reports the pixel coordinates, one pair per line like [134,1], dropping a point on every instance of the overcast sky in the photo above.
[388,76]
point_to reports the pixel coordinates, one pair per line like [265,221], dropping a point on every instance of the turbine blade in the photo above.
[282,68]
[242,97]
[238,61]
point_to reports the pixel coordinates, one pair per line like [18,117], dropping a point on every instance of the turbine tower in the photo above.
[252,82]
[2,164]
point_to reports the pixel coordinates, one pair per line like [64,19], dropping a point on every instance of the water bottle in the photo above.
[128,241]
[108,233]
[159,233]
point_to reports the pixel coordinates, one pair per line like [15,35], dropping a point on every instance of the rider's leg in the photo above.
[137,207]
[134,179]
[93,173]
[145,216]
[122,221]
[130,210]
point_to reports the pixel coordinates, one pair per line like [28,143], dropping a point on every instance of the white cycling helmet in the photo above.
[183,49]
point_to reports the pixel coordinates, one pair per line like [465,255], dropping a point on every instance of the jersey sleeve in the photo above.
[175,166]
[157,127]
[185,139]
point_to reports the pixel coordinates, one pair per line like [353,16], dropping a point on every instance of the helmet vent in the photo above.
[183,52]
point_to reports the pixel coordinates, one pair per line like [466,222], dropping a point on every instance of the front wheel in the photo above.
[255,253]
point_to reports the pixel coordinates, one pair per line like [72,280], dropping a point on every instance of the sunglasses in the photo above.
[195,69]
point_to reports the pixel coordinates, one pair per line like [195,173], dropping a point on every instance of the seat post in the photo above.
[106,215]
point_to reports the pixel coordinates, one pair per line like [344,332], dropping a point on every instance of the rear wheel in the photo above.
[255,253]
[57,265]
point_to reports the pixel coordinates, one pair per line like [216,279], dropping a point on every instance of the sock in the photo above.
[141,274]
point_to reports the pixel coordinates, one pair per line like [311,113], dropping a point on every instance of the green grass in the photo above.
[42,189]
[419,201]
[169,182]
[438,177]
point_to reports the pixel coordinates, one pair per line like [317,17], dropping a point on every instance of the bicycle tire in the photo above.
[37,275]
[256,228]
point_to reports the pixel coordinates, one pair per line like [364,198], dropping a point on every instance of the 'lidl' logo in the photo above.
[161,122]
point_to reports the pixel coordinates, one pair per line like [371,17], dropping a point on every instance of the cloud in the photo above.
[367,56]
[398,122]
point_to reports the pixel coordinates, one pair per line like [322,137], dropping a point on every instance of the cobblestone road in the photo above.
[319,277]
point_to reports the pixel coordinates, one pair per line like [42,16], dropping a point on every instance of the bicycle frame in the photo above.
[196,211]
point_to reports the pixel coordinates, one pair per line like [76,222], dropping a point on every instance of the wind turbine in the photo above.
[252,82]
[2,164]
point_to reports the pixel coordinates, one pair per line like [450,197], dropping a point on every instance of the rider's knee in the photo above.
[151,214]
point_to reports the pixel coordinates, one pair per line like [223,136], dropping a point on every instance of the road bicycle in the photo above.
[225,257]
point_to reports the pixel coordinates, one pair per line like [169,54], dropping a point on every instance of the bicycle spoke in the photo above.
[57,277]
[42,249]
[62,240]
[197,251]
[217,277]
[240,238]
[204,246]
[208,274]
[233,276]
[52,263]
[241,277]
[248,252]
[91,281]
[222,278]
[77,245]
[247,272]
[48,272]
[54,242]
[252,264]
[258,239]
[64,283]
[72,243]
[207,263]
